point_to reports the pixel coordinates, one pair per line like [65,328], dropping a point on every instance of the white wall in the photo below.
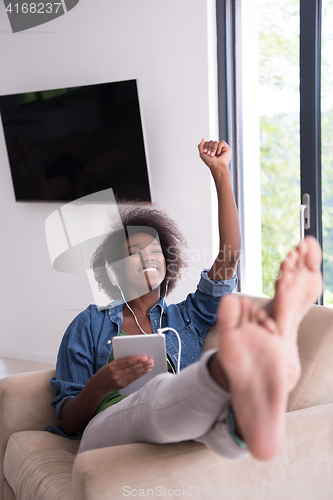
[164,45]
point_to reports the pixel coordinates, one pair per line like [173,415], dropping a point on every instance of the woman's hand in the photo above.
[215,154]
[120,373]
[77,412]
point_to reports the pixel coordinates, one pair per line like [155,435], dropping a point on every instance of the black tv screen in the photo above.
[67,143]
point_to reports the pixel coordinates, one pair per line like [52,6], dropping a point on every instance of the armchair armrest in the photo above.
[25,404]
[120,471]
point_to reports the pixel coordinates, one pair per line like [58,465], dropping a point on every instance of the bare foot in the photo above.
[258,357]
[252,354]
[299,285]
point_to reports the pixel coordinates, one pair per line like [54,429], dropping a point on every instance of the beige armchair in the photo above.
[37,465]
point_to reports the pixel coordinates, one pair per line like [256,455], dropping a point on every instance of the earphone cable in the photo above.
[160,330]
[135,318]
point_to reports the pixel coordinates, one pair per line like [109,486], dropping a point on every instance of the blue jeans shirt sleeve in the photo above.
[216,288]
[75,363]
[202,305]
[193,317]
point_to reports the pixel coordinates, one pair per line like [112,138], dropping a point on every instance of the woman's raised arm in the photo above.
[217,155]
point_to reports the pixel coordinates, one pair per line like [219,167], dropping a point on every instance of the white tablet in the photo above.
[152,345]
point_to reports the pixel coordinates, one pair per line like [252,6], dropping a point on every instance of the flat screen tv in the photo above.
[67,143]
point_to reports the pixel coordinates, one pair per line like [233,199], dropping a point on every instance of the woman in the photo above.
[149,263]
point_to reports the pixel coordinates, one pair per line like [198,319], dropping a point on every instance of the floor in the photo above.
[13,366]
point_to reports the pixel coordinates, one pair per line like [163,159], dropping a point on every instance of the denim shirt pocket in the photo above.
[190,345]
[191,348]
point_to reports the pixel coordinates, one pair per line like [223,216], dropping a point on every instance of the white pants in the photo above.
[169,409]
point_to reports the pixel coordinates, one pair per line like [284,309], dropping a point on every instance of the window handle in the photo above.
[304,214]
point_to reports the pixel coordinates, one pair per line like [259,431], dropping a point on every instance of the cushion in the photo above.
[305,460]
[38,465]
[315,342]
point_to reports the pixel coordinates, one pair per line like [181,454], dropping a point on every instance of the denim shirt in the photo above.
[87,342]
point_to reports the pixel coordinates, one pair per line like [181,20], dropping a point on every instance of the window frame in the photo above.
[230,103]
[310,112]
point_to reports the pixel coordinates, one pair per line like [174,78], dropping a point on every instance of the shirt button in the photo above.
[109,342]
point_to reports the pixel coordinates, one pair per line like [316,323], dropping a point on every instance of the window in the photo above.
[276,134]
[326,146]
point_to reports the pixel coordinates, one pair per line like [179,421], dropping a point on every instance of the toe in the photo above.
[287,269]
[288,266]
[271,326]
[262,315]
[292,259]
[257,314]
[312,253]
[229,313]
[247,310]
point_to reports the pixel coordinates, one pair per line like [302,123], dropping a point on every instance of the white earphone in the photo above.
[111,274]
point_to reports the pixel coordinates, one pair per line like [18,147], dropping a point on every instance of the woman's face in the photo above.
[145,267]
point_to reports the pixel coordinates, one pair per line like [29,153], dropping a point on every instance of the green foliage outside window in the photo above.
[279,141]
[279,154]
[279,137]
